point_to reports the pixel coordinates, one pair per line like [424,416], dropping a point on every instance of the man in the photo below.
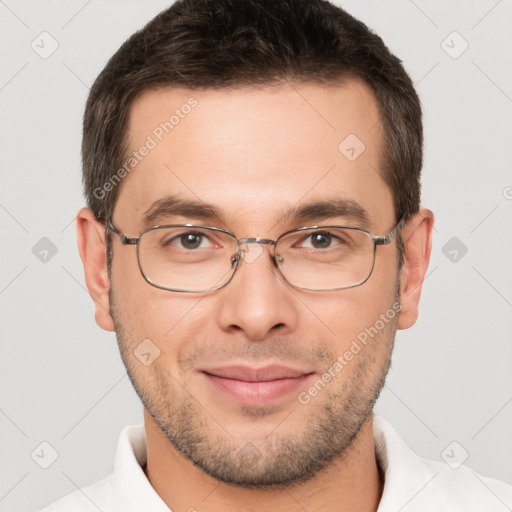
[254,237]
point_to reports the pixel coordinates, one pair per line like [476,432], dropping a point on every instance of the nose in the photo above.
[257,301]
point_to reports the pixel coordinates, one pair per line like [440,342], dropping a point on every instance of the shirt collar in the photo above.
[405,473]
[131,457]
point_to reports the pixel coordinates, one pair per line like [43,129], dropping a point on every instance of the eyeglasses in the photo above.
[195,259]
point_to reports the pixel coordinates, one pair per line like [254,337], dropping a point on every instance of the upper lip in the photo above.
[250,374]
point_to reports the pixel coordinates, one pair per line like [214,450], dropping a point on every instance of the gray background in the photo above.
[62,379]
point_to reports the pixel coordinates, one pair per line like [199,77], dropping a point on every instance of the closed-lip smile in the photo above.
[256,386]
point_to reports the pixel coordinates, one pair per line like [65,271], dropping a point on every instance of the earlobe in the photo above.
[92,248]
[417,242]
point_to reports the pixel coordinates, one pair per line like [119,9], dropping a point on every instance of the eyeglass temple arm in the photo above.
[124,239]
[386,239]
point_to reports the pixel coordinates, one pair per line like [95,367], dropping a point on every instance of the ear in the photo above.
[417,242]
[92,248]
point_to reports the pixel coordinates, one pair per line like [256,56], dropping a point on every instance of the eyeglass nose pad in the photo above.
[278,259]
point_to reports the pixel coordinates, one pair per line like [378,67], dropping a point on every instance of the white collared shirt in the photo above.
[411,483]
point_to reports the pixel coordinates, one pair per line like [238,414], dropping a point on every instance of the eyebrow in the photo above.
[320,210]
[171,205]
[304,213]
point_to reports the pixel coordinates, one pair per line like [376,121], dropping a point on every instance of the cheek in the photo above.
[344,315]
[171,321]
[145,310]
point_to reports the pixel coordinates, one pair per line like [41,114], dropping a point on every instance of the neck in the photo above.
[354,484]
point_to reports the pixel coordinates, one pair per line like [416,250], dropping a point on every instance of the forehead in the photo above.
[255,152]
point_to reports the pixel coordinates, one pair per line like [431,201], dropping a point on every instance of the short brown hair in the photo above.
[199,44]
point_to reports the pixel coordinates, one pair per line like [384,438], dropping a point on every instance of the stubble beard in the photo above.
[276,461]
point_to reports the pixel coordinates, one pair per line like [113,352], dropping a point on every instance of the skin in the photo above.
[255,153]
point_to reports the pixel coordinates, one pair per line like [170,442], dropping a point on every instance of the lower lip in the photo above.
[257,393]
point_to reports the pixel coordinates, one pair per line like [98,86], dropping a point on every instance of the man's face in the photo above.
[254,154]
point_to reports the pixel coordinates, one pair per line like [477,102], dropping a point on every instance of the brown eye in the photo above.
[190,240]
[322,240]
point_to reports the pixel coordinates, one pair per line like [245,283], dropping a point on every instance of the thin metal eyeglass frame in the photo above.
[235,260]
